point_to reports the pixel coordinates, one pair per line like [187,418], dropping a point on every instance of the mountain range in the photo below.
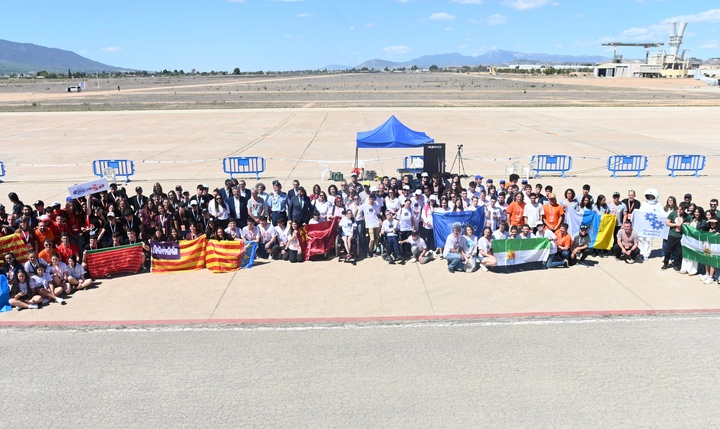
[494,57]
[27,57]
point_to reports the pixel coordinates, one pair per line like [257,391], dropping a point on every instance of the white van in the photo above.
[73,89]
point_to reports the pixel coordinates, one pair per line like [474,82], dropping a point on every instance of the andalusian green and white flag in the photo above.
[517,251]
[703,247]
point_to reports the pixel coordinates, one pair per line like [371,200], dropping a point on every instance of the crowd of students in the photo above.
[391,218]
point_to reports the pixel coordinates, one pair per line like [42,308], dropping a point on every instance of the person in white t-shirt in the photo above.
[371,213]
[484,250]
[453,251]
[347,225]
[501,233]
[418,248]
[281,240]
[405,218]
[390,229]
[533,211]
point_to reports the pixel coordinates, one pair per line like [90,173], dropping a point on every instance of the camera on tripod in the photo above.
[459,147]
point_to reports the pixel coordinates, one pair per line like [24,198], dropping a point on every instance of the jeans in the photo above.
[454,261]
[392,245]
[554,261]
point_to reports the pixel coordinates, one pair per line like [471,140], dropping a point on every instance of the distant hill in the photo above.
[494,57]
[27,57]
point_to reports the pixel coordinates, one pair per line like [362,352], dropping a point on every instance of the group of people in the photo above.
[392,218]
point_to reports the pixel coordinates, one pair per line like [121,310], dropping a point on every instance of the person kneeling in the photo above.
[626,246]
[418,248]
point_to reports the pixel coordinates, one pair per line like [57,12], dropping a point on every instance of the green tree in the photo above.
[236,70]
[434,68]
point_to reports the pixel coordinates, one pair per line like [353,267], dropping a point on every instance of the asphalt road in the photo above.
[592,372]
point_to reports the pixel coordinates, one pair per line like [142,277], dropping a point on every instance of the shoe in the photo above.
[627,261]
[708,281]
[61,301]
[566,264]
[483,267]
[665,267]
[451,270]
[676,268]
[33,306]
[19,308]
[348,256]
[413,260]
[639,260]
[702,277]
[683,272]
[692,273]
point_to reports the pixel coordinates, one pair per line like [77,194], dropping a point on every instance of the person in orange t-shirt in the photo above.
[516,211]
[48,250]
[42,232]
[564,241]
[554,213]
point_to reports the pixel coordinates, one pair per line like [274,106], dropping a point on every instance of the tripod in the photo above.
[459,160]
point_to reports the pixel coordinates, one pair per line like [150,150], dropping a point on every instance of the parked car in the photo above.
[74,89]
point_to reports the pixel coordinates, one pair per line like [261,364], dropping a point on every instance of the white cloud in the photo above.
[351,28]
[294,36]
[712,15]
[632,32]
[441,16]
[468,1]
[235,1]
[462,46]
[496,19]
[111,49]
[371,25]
[710,44]
[397,50]
[448,29]
[527,4]
[305,15]
[82,52]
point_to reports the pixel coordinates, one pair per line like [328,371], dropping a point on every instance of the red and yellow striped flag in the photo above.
[192,257]
[15,244]
[224,256]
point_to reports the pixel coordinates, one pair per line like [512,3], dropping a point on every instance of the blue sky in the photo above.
[307,34]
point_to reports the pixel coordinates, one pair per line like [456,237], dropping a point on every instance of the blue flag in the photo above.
[248,256]
[442,223]
[4,295]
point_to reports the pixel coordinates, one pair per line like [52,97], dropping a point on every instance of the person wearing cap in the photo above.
[580,247]
[626,244]
[355,184]
[687,198]
[453,249]
[404,194]
[39,208]
[389,230]
[109,228]
[424,180]
[277,202]
[194,211]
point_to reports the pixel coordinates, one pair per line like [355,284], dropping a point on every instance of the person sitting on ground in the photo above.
[76,274]
[293,252]
[453,250]
[626,244]
[59,272]
[564,242]
[44,285]
[23,294]
[347,226]
[251,232]
[484,250]
[232,229]
[33,262]
[280,240]
[315,219]
[580,247]
[419,249]
[267,238]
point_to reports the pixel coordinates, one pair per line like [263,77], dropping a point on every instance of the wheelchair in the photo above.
[340,251]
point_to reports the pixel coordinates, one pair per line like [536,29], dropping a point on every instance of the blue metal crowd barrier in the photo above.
[244,165]
[551,164]
[627,163]
[121,167]
[685,163]
[2,170]
[413,164]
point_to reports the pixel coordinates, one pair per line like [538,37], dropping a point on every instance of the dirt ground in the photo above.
[350,90]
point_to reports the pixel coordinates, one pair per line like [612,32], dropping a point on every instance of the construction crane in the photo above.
[647,47]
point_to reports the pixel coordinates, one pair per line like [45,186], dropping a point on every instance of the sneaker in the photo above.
[413,260]
[703,277]
[665,267]
[566,264]
[483,267]
[32,306]
[683,272]
[61,301]
[451,270]
[639,260]
[708,281]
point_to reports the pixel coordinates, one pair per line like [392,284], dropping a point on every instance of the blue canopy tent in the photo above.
[391,134]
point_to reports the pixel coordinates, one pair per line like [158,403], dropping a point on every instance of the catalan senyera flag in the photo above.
[115,260]
[319,238]
[191,256]
[600,227]
[15,244]
[223,256]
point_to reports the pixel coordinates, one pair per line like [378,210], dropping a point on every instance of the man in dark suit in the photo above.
[300,207]
[138,200]
[238,207]
[292,193]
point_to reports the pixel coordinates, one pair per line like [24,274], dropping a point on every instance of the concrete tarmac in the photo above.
[44,153]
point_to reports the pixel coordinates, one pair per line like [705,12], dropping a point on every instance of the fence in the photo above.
[627,164]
